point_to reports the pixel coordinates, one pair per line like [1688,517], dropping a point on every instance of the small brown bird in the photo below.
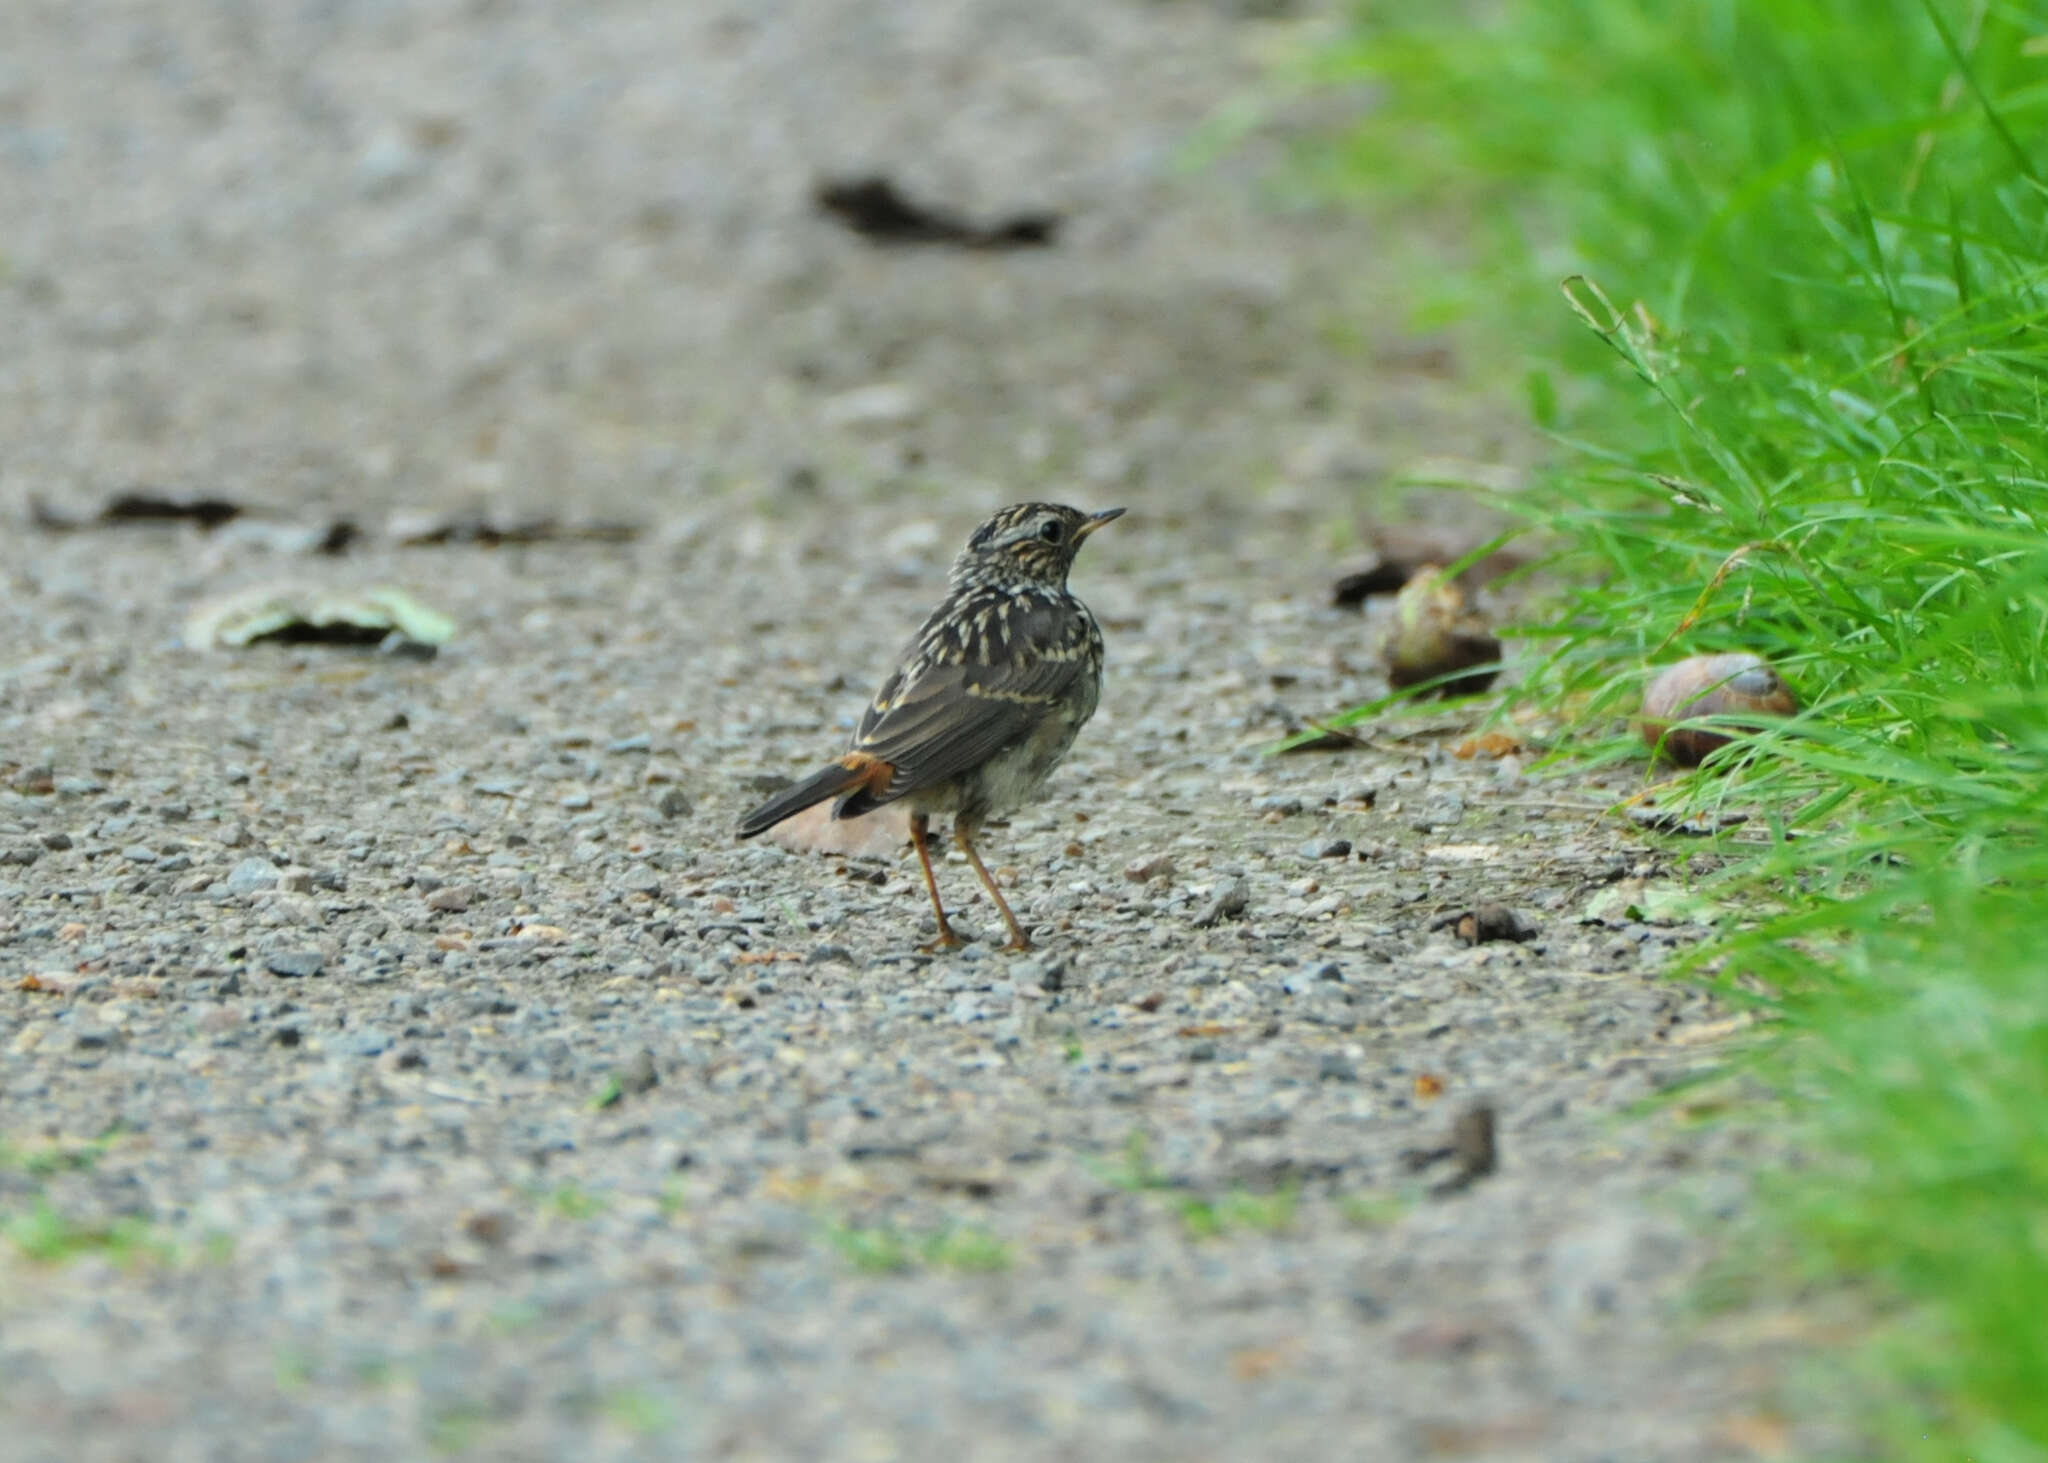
[983,704]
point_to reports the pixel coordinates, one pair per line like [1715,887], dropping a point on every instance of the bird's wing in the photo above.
[966,691]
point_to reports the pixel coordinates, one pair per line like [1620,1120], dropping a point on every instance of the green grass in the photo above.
[884,1249]
[1772,277]
[1202,1216]
[569,1200]
[49,1236]
[644,1414]
[1238,1210]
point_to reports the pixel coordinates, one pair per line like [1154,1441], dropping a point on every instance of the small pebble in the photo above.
[1229,902]
[638,1075]
[295,964]
[252,875]
[1152,866]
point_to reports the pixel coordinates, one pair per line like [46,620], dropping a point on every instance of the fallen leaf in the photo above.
[46,982]
[878,211]
[1486,744]
[1697,825]
[72,933]
[1706,1031]
[381,616]
[1636,900]
[1428,1086]
[139,505]
[766,957]
[1253,1362]
[1464,853]
[488,528]
[1759,1433]
[540,934]
[1206,1028]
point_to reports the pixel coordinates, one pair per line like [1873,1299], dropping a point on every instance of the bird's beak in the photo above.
[1096,520]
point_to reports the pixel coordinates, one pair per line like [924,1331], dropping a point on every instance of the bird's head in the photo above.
[1031,541]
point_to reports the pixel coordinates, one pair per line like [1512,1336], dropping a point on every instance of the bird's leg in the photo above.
[947,940]
[965,837]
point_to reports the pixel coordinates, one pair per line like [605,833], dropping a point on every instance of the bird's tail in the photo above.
[856,775]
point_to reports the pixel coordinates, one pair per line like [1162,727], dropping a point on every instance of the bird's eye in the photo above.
[1052,530]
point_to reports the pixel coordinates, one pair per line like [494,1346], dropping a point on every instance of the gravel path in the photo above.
[400,1057]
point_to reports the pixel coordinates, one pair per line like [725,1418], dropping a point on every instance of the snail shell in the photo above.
[1736,684]
[1433,635]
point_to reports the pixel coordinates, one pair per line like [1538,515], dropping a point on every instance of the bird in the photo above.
[984,701]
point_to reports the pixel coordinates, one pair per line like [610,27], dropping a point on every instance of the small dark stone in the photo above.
[638,1075]
[1335,1067]
[675,803]
[1473,1146]
[1490,922]
[295,964]
[828,955]
[1229,903]
[286,1036]
[56,842]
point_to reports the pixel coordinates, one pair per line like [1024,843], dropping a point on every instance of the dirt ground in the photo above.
[401,1058]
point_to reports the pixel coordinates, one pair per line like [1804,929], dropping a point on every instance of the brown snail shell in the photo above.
[1434,635]
[1736,684]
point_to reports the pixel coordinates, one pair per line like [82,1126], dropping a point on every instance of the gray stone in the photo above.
[251,876]
[451,898]
[1229,902]
[366,1041]
[295,964]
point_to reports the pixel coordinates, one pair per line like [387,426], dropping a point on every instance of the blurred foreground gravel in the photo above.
[399,1058]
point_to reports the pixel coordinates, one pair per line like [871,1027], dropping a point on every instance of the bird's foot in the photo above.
[947,940]
[1019,944]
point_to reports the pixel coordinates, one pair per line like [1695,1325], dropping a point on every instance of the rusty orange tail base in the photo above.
[859,781]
